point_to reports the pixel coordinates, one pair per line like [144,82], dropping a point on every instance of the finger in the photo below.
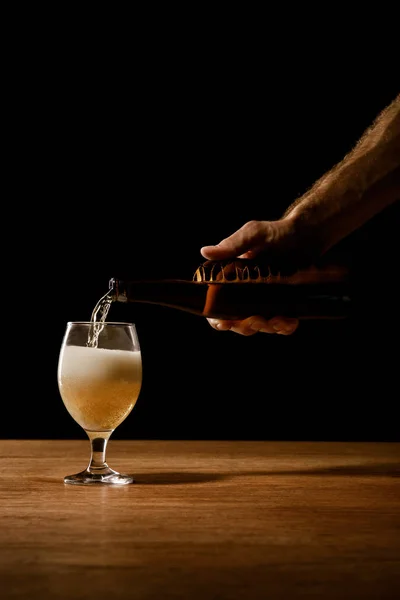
[246,242]
[217,252]
[240,327]
[220,325]
[282,325]
[257,324]
[252,325]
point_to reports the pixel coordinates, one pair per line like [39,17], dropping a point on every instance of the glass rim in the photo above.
[114,323]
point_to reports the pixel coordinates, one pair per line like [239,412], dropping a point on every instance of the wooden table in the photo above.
[204,520]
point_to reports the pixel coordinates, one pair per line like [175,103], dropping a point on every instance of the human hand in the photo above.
[285,244]
[255,324]
[283,248]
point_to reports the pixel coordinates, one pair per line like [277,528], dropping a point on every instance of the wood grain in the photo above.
[204,520]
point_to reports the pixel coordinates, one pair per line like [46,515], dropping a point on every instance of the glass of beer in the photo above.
[99,378]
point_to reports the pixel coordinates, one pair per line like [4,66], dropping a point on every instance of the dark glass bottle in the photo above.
[239,289]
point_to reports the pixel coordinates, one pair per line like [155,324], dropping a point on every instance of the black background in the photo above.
[128,162]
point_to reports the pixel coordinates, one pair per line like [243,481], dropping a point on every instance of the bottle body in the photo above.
[305,295]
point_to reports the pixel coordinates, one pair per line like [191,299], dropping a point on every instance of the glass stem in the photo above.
[98,445]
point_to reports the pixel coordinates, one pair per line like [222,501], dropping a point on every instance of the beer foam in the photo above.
[83,362]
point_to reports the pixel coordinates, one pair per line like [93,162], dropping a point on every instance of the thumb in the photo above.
[219,252]
[236,245]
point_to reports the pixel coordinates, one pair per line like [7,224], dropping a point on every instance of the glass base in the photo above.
[104,477]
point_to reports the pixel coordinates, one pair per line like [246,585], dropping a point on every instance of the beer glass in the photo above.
[99,378]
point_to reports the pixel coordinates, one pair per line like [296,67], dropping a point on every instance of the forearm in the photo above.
[365,182]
